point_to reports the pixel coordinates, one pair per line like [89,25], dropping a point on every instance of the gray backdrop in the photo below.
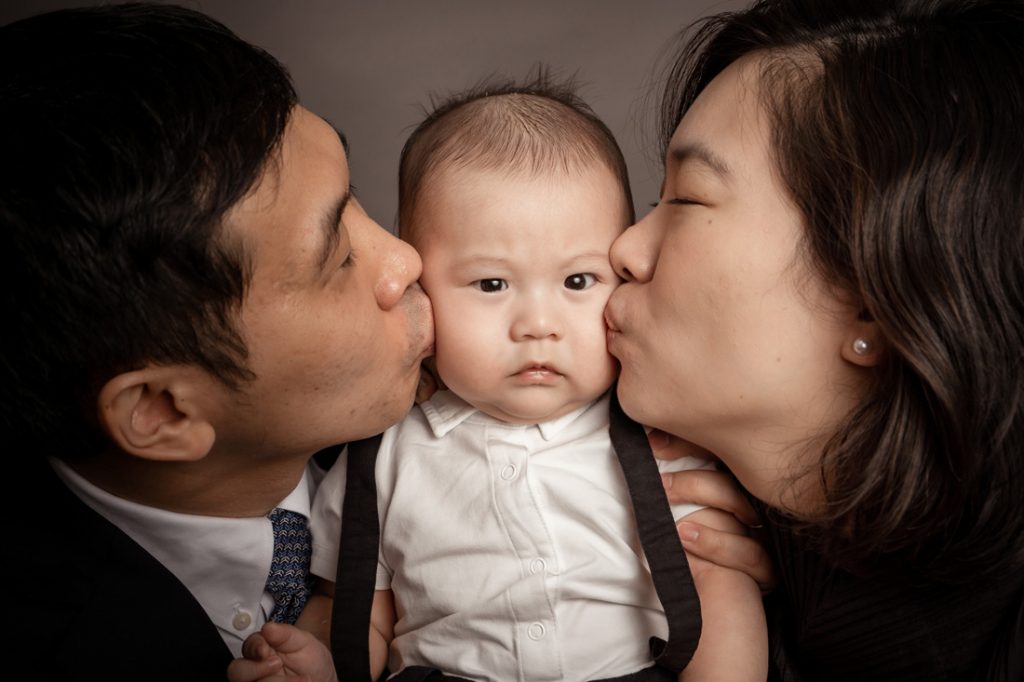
[369,67]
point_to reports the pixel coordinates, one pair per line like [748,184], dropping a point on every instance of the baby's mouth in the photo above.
[537,372]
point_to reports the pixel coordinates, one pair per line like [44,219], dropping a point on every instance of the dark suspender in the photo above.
[356,575]
[360,539]
[658,537]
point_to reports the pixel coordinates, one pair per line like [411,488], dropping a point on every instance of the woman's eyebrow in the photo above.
[694,152]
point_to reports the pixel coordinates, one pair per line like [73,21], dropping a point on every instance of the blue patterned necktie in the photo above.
[289,581]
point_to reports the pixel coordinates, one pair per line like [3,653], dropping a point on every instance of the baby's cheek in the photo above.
[600,368]
[464,360]
[454,335]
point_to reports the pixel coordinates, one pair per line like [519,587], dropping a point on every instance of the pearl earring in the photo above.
[861,346]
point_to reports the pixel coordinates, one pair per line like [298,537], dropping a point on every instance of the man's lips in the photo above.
[421,315]
[428,349]
[426,345]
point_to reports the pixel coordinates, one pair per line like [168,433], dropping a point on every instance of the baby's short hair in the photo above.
[535,126]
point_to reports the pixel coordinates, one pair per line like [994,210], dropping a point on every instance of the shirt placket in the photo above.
[533,606]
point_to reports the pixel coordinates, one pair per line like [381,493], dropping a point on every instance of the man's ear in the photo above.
[148,414]
[863,345]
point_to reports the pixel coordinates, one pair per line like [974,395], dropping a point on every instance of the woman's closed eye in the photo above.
[676,201]
[580,281]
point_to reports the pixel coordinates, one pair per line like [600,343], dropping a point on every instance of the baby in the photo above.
[508,545]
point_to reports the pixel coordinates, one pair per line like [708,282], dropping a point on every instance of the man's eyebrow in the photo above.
[330,227]
[695,152]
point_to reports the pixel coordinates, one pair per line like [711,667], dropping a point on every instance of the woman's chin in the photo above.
[631,399]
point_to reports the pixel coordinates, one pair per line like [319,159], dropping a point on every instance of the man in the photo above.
[196,304]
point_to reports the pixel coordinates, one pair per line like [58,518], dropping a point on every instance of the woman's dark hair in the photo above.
[127,133]
[897,130]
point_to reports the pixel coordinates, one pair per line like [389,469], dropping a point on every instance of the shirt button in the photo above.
[242,620]
[538,566]
[508,472]
[535,631]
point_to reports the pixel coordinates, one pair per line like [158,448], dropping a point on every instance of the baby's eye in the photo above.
[580,281]
[490,286]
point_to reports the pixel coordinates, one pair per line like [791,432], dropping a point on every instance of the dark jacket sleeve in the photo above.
[89,603]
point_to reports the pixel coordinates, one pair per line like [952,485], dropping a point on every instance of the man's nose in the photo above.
[400,267]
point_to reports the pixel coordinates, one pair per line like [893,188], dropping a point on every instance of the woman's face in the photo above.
[725,335]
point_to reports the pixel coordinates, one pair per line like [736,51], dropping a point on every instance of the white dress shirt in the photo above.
[511,550]
[224,562]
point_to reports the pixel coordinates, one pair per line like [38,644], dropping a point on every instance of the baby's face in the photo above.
[517,270]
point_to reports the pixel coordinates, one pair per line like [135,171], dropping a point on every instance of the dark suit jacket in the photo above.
[89,603]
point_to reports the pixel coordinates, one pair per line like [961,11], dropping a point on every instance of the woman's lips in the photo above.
[609,322]
[613,333]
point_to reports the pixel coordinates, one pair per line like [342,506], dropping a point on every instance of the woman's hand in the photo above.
[718,490]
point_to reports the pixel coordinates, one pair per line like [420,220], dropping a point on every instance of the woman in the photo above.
[830,295]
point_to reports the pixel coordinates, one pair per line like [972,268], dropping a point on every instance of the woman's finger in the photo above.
[730,550]
[711,489]
[667,446]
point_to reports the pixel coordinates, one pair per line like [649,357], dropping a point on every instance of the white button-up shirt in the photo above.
[224,562]
[512,550]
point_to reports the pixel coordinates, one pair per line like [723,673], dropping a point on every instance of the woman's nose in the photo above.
[634,254]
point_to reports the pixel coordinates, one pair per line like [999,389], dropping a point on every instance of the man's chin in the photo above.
[389,412]
[385,410]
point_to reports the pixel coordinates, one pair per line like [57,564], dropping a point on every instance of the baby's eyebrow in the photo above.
[589,255]
[477,259]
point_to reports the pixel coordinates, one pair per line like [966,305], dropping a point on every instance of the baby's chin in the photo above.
[533,411]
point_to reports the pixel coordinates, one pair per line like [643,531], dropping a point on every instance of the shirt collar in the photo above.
[222,561]
[549,430]
[445,410]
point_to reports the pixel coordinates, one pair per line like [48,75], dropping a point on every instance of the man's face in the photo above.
[334,323]
[517,270]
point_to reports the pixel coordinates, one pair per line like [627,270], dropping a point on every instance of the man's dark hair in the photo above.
[533,126]
[127,133]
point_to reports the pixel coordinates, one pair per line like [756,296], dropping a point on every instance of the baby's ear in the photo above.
[148,414]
